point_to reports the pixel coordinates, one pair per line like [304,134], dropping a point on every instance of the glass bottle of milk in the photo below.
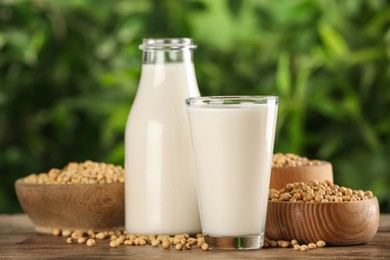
[160,186]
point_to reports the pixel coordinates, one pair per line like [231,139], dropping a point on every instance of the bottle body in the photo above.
[160,185]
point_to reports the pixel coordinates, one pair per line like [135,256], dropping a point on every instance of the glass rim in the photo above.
[229,101]
[167,43]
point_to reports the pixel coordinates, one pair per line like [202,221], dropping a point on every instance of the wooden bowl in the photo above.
[72,206]
[280,176]
[337,223]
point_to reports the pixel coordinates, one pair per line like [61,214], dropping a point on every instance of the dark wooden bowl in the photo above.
[337,223]
[72,206]
[280,176]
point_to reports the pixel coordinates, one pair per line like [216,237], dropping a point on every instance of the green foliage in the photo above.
[69,72]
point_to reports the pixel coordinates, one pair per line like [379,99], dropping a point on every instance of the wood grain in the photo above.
[280,176]
[72,206]
[337,223]
[18,240]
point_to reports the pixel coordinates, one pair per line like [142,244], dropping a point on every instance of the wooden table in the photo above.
[18,240]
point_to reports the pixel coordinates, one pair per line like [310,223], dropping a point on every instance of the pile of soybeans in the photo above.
[292,160]
[88,172]
[118,238]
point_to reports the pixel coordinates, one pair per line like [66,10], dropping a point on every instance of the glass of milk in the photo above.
[233,139]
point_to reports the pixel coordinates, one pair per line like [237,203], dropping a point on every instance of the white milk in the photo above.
[160,177]
[233,151]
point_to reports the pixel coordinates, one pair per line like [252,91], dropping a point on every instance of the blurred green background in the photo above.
[69,72]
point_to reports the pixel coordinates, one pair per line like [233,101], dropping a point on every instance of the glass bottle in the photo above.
[160,186]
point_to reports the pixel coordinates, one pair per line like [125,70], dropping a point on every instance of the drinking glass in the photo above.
[233,139]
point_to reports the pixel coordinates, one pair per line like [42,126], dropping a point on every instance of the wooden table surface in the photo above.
[18,240]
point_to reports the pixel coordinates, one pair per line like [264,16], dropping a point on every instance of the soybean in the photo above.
[205,246]
[91,242]
[166,244]
[320,243]
[304,248]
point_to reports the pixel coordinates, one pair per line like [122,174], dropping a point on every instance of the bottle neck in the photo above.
[167,56]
